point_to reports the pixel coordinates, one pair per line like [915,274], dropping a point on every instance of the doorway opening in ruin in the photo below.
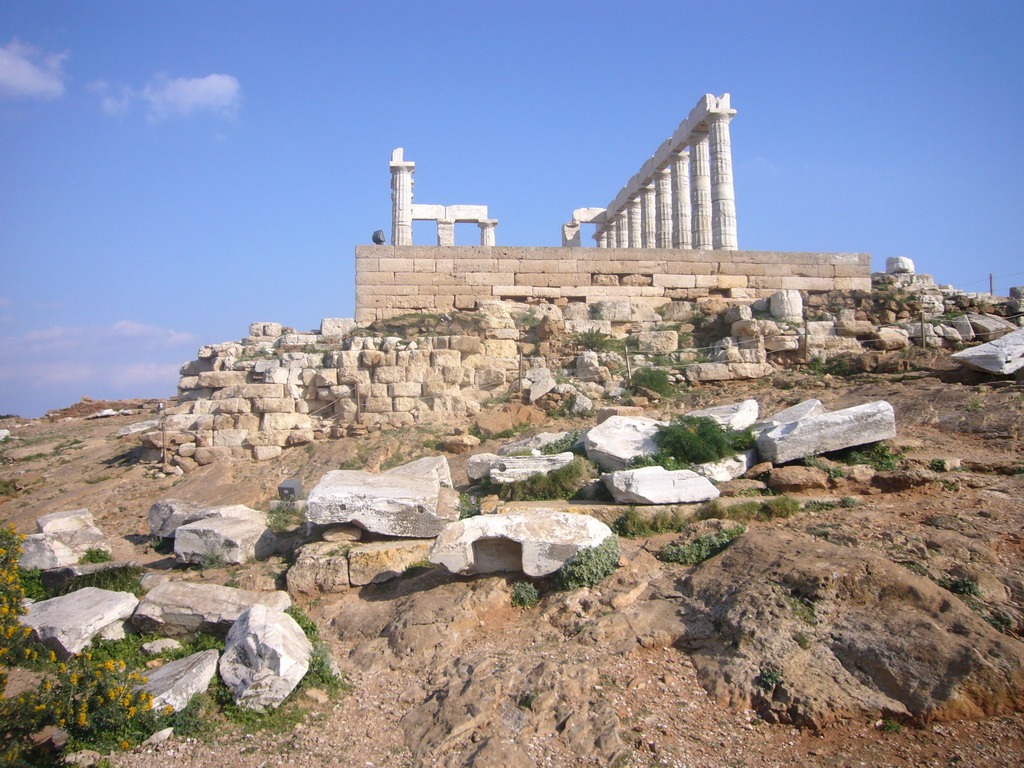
[492,555]
[424,232]
[467,233]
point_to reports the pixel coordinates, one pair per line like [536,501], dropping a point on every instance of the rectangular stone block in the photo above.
[404,404]
[675,281]
[377,405]
[280,421]
[405,389]
[216,379]
[229,437]
[232,405]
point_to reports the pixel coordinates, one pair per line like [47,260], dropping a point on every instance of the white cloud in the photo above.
[27,72]
[113,101]
[184,96]
[124,333]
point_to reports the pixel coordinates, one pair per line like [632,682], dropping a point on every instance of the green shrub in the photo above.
[961,586]
[768,679]
[564,444]
[698,439]
[879,455]
[32,584]
[701,548]
[588,566]
[95,556]
[561,484]
[323,672]
[632,524]
[848,502]
[524,595]
[468,506]
[654,379]
[834,366]
[777,507]
[127,578]
[283,516]
[595,341]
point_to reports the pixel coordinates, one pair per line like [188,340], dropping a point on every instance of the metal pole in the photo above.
[991,285]
[924,340]
[163,438]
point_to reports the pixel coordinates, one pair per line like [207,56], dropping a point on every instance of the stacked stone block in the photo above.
[394,280]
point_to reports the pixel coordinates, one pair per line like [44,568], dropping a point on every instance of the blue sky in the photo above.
[172,171]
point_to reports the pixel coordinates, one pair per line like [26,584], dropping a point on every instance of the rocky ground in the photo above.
[653,666]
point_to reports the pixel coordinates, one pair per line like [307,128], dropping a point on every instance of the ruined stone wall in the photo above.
[395,280]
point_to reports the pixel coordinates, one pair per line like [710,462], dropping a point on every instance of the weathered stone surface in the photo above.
[320,567]
[228,539]
[796,412]
[176,682]
[180,608]
[491,423]
[395,505]
[62,539]
[698,372]
[167,515]
[160,645]
[833,431]
[266,655]
[535,542]
[1002,356]
[54,578]
[657,485]
[617,440]
[537,383]
[534,443]
[137,427]
[787,306]
[898,265]
[658,342]
[68,623]
[510,469]
[797,478]
[430,466]
[989,327]
[734,417]
[336,326]
[384,560]
[729,468]
[478,466]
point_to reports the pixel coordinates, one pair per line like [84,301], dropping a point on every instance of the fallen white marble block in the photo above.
[511,469]
[616,441]
[1003,356]
[732,417]
[68,623]
[176,682]
[657,485]
[231,540]
[180,608]
[833,431]
[536,542]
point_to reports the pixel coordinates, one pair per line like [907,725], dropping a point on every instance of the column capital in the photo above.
[723,116]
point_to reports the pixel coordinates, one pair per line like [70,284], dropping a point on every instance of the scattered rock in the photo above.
[729,468]
[615,442]
[161,645]
[68,623]
[320,567]
[733,417]
[167,515]
[657,485]
[797,478]
[1002,356]
[63,538]
[511,469]
[180,608]
[176,682]
[833,431]
[224,539]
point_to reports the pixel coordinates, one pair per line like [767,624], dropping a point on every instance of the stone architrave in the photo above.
[681,217]
[833,431]
[176,682]
[657,485]
[167,515]
[68,623]
[391,504]
[511,469]
[1003,356]
[663,208]
[180,608]
[723,195]
[266,655]
[700,191]
[648,216]
[635,228]
[535,542]
[734,417]
[616,441]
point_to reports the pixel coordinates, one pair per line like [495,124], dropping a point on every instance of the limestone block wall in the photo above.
[394,280]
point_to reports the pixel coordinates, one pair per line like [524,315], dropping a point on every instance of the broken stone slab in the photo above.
[529,444]
[432,466]
[265,657]
[616,441]
[732,417]
[537,383]
[658,342]
[802,410]
[989,327]
[68,623]
[511,469]
[54,578]
[226,539]
[478,466]
[320,567]
[394,505]
[106,413]
[384,560]
[535,542]
[179,608]
[167,515]
[63,538]
[657,485]
[1003,356]
[176,682]
[867,423]
[729,468]
[898,265]
[698,372]
[137,427]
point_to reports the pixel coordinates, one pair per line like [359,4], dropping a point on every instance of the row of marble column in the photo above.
[690,203]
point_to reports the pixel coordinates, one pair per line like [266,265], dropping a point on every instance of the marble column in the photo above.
[622,230]
[681,237]
[700,191]
[401,199]
[663,208]
[648,216]
[445,232]
[723,196]
[487,231]
[634,240]
[602,238]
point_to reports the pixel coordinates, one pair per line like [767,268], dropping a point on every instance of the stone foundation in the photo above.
[393,281]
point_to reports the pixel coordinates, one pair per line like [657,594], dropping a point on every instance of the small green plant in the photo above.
[654,379]
[833,471]
[777,507]
[563,444]
[632,524]
[820,506]
[469,506]
[802,640]
[127,578]
[701,548]
[595,341]
[95,556]
[961,586]
[938,465]
[768,680]
[415,569]
[32,584]
[891,726]
[323,672]
[974,405]
[526,700]
[211,561]
[697,440]
[283,516]
[803,609]
[848,502]
[880,456]
[8,488]
[834,366]
[524,595]
[588,566]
